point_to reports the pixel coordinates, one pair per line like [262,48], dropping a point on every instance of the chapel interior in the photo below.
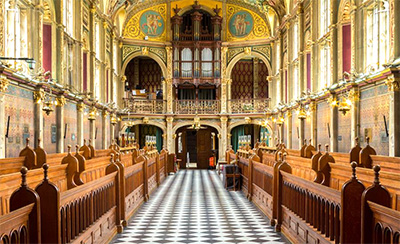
[199,121]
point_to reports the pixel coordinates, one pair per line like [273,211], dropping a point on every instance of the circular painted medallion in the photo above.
[241,24]
[151,23]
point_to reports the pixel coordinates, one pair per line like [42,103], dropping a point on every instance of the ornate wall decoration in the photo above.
[2,9]
[149,22]
[127,50]
[264,50]
[243,24]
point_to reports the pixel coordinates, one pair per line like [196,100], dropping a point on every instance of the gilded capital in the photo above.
[60,101]
[105,113]
[224,119]
[224,50]
[145,50]
[80,107]
[247,50]
[393,83]
[4,84]
[170,119]
[38,96]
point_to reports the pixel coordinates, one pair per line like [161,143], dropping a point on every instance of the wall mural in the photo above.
[241,24]
[244,24]
[149,22]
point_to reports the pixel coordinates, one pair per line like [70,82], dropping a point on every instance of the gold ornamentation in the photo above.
[105,113]
[128,50]
[247,50]
[224,119]
[393,83]
[4,84]
[145,120]
[80,107]
[132,29]
[264,50]
[38,96]
[60,101]
[170,119]
[145,51]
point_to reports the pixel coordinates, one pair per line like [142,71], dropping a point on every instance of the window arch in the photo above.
[377,35]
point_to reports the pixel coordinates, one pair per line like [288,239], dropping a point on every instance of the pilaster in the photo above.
[223,96]
[302,123]
[3,123]
[255,77]
[104,129]
[60,99]
[313,118]
[170,139]
[395,27]
[354,95]
[289,129]
[393,84]
[334,126]
[80,107]
[38,96]
[223,138]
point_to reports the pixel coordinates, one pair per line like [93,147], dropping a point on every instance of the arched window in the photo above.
[206,62]
[325,17]
[325,64]
[187,60]
[377,35]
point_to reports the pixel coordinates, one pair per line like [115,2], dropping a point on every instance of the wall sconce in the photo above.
[301,113]
[92,114]
[345,105]
[332,102]
[48,107]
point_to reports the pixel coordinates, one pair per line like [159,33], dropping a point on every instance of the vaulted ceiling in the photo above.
[279,5]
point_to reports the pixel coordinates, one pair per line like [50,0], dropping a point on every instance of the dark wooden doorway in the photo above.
[198,143]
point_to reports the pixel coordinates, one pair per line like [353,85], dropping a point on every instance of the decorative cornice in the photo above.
[60,101]
[393,83]
[4,84]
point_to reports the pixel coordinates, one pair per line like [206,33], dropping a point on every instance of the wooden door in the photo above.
[204,145]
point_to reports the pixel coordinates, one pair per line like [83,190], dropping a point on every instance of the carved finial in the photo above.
[353,167]
[45,170]
[305,141]
[367,139]
[69,149]
[84,141]
[39,141]
[280,156]
[77,148]
[24,171]
[356,139]
[284,157]
[377,168]
[112,158]
[326,148]
[319,147]
[310,141]
[27,142]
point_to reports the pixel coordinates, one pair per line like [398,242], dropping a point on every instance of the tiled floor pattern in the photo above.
[193,207]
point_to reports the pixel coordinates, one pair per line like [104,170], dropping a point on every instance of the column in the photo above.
[196,19]
[395,17]
[229,94]
[38,96]
[2,30]
[60,102]
[80,107]
[334,41]
[223,142]
[92,131]
[3,117]
[313,110]
[289,129]
[168,93]
[357,39]
[301,132]
[314,46]
[255,77]
[354,95]
[104,136]
[394,115]
[60,54]
[302,77]
[170,140]
[92,55]
[223,96]
[334,126]
[37,35]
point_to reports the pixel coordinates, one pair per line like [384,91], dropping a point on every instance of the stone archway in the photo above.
[244,55]
[151,55]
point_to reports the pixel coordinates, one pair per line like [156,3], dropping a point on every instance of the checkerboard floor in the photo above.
[193,207]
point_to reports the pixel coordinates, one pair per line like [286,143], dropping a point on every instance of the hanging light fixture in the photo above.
[301,113]
[92,113]
[113,119]
[48,104]
[345,105]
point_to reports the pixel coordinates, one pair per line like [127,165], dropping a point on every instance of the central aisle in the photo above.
[194,207]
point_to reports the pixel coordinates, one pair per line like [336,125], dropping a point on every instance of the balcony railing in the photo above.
[147,106]
[244,106]
[197,106]
[235,106]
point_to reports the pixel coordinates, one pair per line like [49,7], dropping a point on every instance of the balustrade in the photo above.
[197,106]
[243,106]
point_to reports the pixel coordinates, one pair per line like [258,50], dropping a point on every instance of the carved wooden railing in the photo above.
[244,106]
[145,106]
[197,106]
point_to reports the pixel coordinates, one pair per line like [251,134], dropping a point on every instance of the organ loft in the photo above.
[199,121]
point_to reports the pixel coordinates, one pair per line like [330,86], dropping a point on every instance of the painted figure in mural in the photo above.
[240,24]
[152,24]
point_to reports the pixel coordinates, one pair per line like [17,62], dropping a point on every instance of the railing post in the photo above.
[113,167]
[350,214]
[277,163]
[122,188]
[377,194]
[285,167]
[23,197]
